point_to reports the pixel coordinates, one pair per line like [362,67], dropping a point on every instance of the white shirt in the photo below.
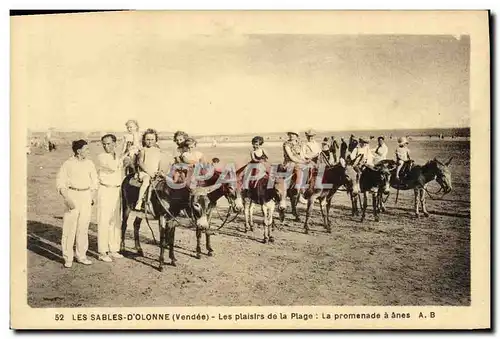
[311,149]
[152,159]
[380,153]
[80,174]
[109,170]
[367,155]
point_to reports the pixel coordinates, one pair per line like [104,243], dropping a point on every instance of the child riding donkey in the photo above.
[148,164]
[403,159]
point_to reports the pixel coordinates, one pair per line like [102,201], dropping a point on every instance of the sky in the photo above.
[223,82]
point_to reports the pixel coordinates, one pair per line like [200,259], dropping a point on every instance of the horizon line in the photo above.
[244,133]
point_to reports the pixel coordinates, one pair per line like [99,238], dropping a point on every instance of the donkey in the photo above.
[167,203]
[229,189]
[377,182]
[266,192]
[417,178]
[340,174]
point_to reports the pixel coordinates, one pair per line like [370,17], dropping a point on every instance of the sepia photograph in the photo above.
[250,169]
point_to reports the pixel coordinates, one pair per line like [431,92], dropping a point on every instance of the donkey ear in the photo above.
[449,161]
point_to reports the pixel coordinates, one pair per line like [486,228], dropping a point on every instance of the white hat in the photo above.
[402,141]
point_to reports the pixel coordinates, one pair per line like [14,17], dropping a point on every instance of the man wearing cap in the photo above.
[292,150]
[402,154]
[380,153]
[77,182]
[311,149]
[110,169]
[364,153]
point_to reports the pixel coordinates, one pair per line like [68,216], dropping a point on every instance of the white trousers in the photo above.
[76,225]
[109,219]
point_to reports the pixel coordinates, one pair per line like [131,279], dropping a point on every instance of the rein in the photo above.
[435,193]
[227,217]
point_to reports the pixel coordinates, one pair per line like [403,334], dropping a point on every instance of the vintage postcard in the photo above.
[250,170]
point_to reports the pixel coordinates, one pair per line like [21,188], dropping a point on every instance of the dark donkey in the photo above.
[340,174]
[266,192]
[167,203]
[228,188]
[417,178]
[376,181]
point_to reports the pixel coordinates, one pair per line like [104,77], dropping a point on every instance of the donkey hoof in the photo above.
[198,256]
[160,268]
[377,219]
[426,214]
[173,263]
[140,252]
[210,253]
[271,239]
[417,215]
[264,241]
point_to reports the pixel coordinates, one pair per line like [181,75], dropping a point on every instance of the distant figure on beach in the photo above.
[343,149]
[214,143]
[334,146]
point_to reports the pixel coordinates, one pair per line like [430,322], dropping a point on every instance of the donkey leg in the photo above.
[422,202]
[310,203]
[382,204]
[363,208]
[198,242]
[126,212]
[171,242]
[246,206]
[375,206]
[354,204]
[265,213]
[323,216]
[137,227]
[417,193]
[162,229]
[270,225]
[328,207]
[250,212]
[208,243]
[294,200]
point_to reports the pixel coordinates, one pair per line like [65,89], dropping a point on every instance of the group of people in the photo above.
[329,152]
[82,183]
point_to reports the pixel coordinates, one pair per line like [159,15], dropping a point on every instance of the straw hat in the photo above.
[364,140]
[402,141]
[310,133]
[292,132]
